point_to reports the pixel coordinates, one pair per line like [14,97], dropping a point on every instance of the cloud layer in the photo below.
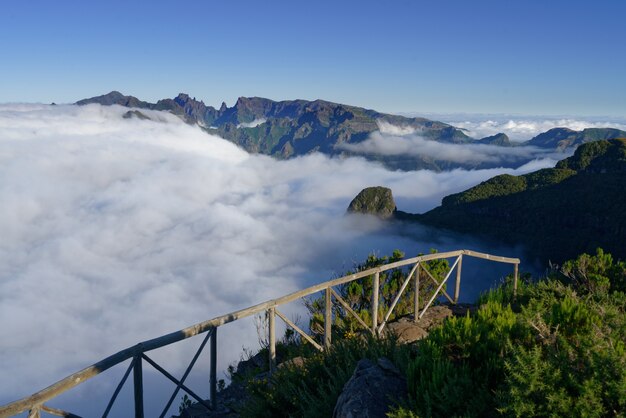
[391,140]
[523,128]
[118,230]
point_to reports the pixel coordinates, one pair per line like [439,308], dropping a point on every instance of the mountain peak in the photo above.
[562,138]
[114,98]
[497,139]
[598,157]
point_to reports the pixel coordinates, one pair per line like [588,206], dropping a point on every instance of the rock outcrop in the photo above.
[377,201]
[371,390]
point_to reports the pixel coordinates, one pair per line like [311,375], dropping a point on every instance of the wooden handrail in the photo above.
[39,398]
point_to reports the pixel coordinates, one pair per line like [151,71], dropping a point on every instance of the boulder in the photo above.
[377,201]
[371,390]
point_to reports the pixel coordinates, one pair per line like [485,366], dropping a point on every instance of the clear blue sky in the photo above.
[536,57]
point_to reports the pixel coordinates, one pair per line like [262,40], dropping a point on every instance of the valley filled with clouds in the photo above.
[119,230]
[521,128]
[392,140]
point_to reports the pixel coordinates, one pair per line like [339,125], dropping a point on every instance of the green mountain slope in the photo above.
[290,128]
[562,138]
[575,207]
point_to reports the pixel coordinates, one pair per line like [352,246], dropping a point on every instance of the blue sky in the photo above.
[532,57]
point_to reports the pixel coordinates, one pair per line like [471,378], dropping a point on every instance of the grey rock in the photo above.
[371,390]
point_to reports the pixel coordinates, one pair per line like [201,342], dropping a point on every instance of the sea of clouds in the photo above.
[392,140]
[119,230]
[521,128]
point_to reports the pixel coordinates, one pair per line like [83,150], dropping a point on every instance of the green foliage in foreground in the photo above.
[312,390]
[556,349]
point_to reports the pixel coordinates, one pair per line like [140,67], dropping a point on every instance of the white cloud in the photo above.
[252,124]
[117,230]
[404,141]
[395,130]
[523,128]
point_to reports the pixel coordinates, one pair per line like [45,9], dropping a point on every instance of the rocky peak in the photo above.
[497,139]
[182,99]
[115,98]
[377,201]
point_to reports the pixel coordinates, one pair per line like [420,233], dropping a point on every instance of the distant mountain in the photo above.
[497,139]
[557,213]
[190,110]
[290,128]
[116,98]
[562,138]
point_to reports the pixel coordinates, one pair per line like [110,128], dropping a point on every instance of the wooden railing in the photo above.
[35,403]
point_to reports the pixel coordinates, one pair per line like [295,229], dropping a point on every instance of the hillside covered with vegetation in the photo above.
[557,348]
[573,208]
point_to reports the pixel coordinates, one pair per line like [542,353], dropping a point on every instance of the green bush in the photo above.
[557,349]
[595,273]
[312,390]
[460,364]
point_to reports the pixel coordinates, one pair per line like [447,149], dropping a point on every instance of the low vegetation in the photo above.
[556,349]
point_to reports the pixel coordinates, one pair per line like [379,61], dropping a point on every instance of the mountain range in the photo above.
[290,128]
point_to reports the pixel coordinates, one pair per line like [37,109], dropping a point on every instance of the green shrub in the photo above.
[312,390]
[460,364]
[595,273]
[557,348]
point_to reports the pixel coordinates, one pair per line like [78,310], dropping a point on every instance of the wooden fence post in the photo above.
[457,289]
[515,274]
[138,381]
[272,331]
[213,370]
[328,319]
[375,285]
[416,308]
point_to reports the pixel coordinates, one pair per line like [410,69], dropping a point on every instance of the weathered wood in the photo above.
[213,369]
[374,303]
[491,257]
[439,288]
[272,337]
[118,389]
[349,310]
[138,387]
[328,318]
[298,330]
[396,299]
[34,412]
[515,274]
[209,334]
[457,287]
[58,412]
[38,398]
[416,307]
[176,382]
[443,291]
